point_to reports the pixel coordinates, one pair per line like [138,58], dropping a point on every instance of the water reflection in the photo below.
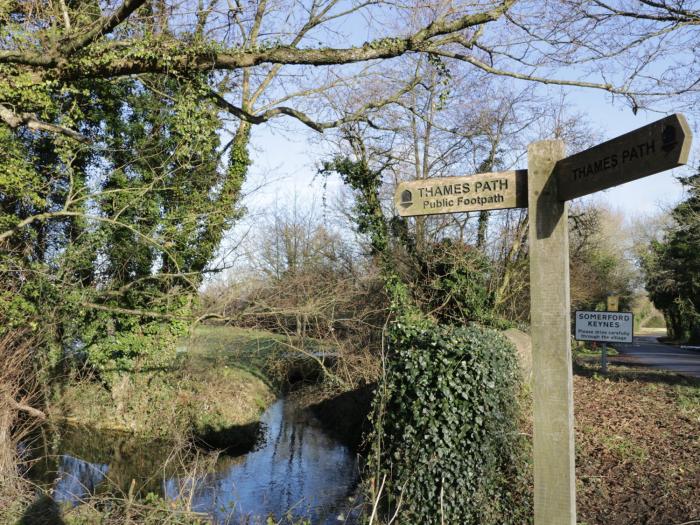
[298,472]
[76,479]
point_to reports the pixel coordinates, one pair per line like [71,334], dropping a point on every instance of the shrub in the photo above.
[448,447]
[451,281]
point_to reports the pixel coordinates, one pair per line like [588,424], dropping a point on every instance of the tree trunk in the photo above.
[481,231]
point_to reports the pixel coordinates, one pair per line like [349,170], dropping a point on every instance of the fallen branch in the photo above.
[21,407]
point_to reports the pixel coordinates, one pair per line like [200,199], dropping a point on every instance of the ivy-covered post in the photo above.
[553,422]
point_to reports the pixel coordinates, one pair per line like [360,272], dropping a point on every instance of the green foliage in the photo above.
[452,283]
[20,184]
[447,280]
[672,268]
[446,440]
[142,347]
[15,311]
[368,210]
[445,80]
[449,446]
[128,226]
[128,223]
[598,264]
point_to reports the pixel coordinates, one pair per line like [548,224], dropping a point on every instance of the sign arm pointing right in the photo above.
[656,147]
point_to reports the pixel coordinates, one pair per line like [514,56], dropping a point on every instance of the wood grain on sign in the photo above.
[484,191]
[659,146]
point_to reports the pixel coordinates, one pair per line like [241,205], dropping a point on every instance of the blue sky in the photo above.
[291,158]
[288,160]
[286,154]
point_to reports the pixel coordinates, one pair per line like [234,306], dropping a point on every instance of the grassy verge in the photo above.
[217,346]
[223,380]
[588,351]
[652,331]
[277,359]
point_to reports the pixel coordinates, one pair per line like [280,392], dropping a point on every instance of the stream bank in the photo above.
[239,392]
[297,471]
[220,382]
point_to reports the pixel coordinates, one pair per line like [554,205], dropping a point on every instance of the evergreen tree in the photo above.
[672,268]
[134,220]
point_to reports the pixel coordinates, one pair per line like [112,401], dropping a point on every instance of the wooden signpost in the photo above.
[550,180]
[485,191]
[657,147]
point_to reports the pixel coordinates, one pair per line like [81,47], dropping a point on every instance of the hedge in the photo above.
[447,442]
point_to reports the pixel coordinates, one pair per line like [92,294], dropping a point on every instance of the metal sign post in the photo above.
[544,188]
[604,358]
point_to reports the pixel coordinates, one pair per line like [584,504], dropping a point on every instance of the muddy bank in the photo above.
[346,416]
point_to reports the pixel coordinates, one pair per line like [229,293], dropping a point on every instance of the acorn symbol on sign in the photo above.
[668,138]
[406,198]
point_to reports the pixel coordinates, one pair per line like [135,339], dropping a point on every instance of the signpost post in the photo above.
[550,180]
[552,380]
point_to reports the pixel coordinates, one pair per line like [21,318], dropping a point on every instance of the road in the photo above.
[648,351]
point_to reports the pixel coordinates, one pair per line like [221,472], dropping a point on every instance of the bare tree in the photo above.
[266,54]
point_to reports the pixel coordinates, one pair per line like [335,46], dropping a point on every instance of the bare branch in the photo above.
[358,115]
[123,62]
[668,13]
[25,408]
[105,26]
[534,78]
[15,120]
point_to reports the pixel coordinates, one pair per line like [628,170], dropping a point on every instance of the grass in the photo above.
[653,331]
[624,448]
[224,377]
[167,404]
[585,350]
[688,401]
[220,381]
[264,354]
[232,346]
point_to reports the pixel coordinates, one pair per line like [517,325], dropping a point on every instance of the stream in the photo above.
[297,472]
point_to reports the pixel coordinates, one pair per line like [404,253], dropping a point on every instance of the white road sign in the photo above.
[604,327]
